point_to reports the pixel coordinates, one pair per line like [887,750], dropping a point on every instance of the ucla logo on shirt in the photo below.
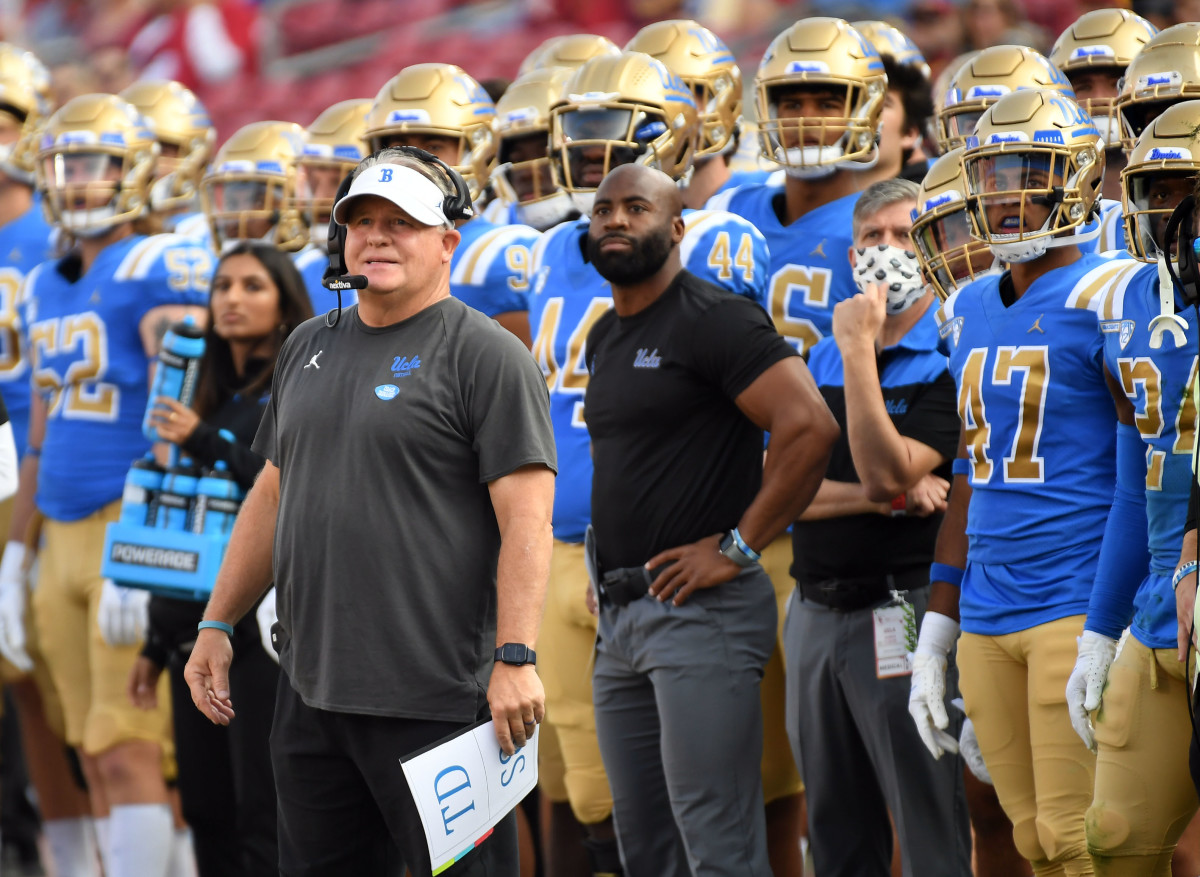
[402,366]
[387,392]
[647,358]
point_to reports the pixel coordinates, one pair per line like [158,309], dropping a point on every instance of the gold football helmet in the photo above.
[95,164]
[571,51]
[892,42]
[25,98]
[1033,168]
[185,135]
[438,100]
[941,230]
[941,85]
[621,110]
[1165,71]
[826,55]
[701,59]
[986,78]
[254,187]
[525,175]
[1103,40]
[1162,170]
[334,148]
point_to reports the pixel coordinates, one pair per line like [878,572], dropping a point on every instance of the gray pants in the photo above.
[679,722]
[860,754]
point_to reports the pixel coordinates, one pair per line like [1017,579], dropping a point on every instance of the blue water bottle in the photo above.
[178,369]
[218,498]
[139,503]
[177,497]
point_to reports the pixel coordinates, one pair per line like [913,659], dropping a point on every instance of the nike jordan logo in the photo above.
[312,363]
[1036,327]
[819,250]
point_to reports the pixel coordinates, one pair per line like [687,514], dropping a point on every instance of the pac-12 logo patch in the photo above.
[387,392]
[952,329]
[1123,329]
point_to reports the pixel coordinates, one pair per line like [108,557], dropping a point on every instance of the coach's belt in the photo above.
[851,594]
[621,586]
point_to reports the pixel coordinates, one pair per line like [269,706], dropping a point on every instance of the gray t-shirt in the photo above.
[386,543]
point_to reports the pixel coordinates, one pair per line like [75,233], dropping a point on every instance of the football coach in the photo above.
[404,515]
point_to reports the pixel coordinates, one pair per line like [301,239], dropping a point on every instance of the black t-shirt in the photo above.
[920,395]
[675,459]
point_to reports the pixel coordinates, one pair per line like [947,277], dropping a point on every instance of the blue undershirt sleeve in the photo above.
[1124,553]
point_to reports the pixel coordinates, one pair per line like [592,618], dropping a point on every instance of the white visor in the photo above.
[408,189]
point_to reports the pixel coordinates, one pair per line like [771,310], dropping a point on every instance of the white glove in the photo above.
[968,747]
[12,607]
[266,617]
[1096,654]
[122,614]
[927,699]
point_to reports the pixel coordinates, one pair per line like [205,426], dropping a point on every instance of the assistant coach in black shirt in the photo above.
[685,377]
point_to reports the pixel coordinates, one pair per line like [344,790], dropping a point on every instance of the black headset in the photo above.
[456,206]
[1181,223]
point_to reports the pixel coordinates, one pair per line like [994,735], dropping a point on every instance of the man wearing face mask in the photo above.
[854,610]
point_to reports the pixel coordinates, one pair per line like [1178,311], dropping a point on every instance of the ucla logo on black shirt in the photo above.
[647,358]
[402,366]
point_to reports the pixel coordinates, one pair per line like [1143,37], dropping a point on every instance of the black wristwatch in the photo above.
[516,654]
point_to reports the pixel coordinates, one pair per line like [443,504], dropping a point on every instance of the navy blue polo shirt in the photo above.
[921,398]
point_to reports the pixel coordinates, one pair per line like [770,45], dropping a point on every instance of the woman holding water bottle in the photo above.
[225,778]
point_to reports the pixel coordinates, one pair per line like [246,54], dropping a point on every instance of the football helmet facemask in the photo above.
[941,229]
[334,147]
[628,109]
[255,185]
[1166,71]
[1163,168]
[525,175]
[185,137]
[826,56]
[438,100]
[701,59]
[1033,169]
[95,164]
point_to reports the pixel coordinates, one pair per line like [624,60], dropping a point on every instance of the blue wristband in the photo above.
[743,547]
[227,629]
[960,466]
[944,572]
[1182,573]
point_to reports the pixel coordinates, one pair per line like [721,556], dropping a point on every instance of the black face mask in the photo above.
[1181,230]
[646,256]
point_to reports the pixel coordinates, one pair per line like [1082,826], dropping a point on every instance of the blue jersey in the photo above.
[90,366]
[1040,430]
[1112,227]
[501,212]
[569,296]
[24,243]
[490,267]
[737,179]
[810,269]
[1158,382]
[193,226]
